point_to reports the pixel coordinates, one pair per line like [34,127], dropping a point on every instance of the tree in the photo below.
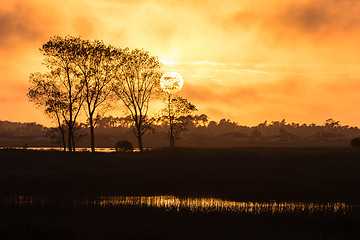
[201,120]
[137,77]
[256,133]
[177,115]
[63,76]
[355,142]
[55,136]
[94,61]
[331,123]
[264,124]
[45,93]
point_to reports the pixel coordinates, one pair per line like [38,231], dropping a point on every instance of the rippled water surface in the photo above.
[195,204]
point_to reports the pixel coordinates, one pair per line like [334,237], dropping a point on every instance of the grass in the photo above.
[64,222]
[310,174]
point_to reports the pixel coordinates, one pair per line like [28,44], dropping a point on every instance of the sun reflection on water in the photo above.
[215,205]
[191,204]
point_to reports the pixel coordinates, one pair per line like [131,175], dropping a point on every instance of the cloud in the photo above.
[293,31]
[311,97]
[23,22]
[322,17]
[246,60]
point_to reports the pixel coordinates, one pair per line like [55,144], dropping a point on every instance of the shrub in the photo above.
[355,142]
[124,146]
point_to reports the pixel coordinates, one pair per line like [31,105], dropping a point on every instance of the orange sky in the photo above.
[249,60]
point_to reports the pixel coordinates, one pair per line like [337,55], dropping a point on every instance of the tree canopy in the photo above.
[137,77]
[177,115]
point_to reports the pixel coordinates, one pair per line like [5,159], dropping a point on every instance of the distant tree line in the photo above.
[199,128]
[200,124]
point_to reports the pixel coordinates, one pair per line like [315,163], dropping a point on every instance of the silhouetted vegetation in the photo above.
[177,115]
[95,222]
[83,73]
[87,74]
[254,174]
[60,90]
[200,133]
[137,76]
[355,142]
[243,174]
[124,146]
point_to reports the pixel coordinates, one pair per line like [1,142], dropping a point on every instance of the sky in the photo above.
[247,61]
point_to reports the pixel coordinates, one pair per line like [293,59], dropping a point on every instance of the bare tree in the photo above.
[137,76]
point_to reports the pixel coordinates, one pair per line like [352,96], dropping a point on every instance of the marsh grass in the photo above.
[66,222]
[255,174]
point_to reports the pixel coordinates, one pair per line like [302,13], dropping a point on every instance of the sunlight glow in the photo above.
[168,62]
[170,202]
[218,205]
[171,82]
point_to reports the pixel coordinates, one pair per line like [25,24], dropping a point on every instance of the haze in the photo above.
[249,61]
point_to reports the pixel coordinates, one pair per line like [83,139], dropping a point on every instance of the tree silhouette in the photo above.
[331,123]
[63,77]
[201,120]
[177,115]
[256,133]
[137,76]
[95,63]
[46,94]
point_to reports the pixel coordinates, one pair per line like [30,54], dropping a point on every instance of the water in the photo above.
[77,149]
[172,217]
[194,204]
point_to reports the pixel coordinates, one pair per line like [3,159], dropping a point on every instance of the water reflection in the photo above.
[192,204]
[106,150]
[23,201]
[214,204]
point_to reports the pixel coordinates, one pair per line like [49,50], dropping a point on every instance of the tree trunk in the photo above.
[63,139]
[141,148]
[172,142]
[70,138]
[92,135]
[171,136]
[139,137]
[73,141]
[62,133]
[171,126]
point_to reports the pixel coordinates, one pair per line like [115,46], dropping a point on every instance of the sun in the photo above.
[171,82]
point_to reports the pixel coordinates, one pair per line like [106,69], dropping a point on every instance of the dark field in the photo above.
[246,174]
[319,174]
[60,222]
